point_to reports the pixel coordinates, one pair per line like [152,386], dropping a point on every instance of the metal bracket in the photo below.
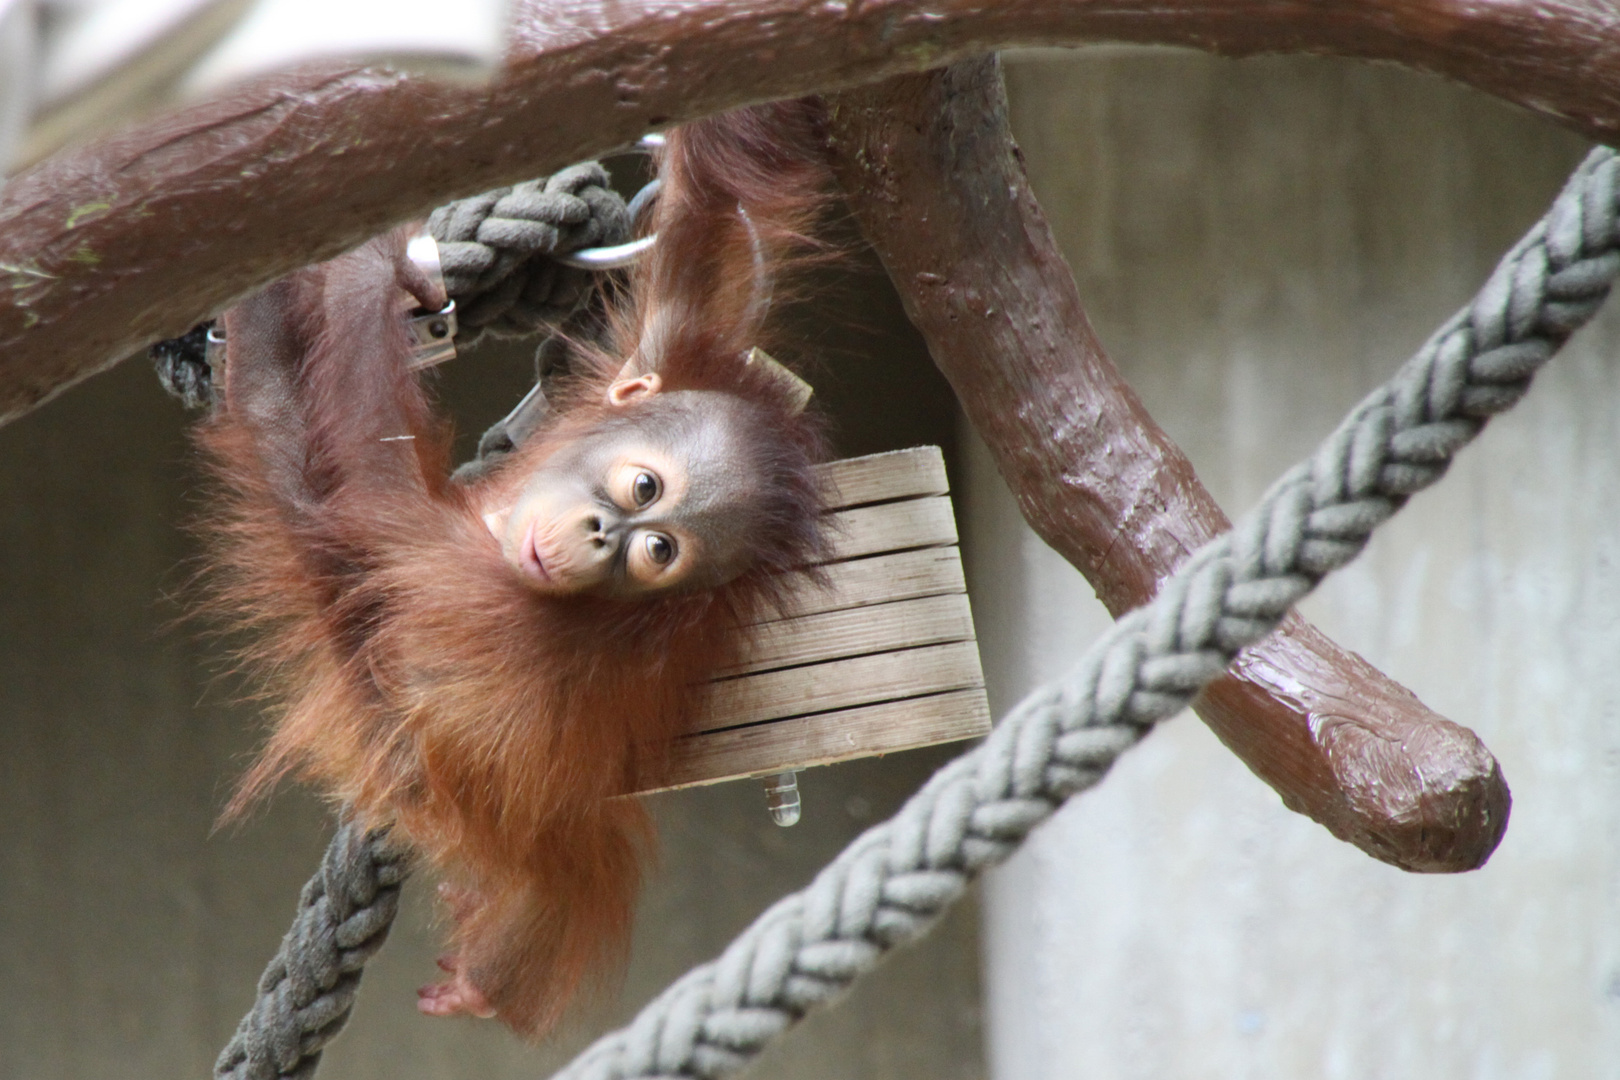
[433,333]
[433,336]
[214,346]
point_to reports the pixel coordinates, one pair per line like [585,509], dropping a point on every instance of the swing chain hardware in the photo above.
[214,346]
[433,333]
[619,256]
[782,797]
[432,338]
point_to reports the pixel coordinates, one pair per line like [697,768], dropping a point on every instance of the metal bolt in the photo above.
[782,797]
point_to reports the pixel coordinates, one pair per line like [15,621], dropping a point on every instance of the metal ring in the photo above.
[643,198]
[609,258]
[214,345]
[618,256]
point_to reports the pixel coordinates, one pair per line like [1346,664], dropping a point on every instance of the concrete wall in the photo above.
[1260,242]
[131,936]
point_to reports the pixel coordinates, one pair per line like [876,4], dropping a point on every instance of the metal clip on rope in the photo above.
[619,256]
[433,333]
[214,346]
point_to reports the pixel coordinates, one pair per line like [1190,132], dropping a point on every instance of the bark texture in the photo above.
[932,174]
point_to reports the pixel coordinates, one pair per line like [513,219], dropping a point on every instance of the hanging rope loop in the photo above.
[307,991]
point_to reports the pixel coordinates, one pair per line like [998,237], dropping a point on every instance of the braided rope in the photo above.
[493,249]
[896,879]
[307,991]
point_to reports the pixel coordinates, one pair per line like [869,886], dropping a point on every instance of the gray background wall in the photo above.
[1260,242]
[131,936]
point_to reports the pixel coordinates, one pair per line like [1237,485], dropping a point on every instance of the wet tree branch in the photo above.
[931,172]
[136,236]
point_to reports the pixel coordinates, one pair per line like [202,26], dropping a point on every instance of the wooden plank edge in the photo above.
[824,688]
[852,632]
[827,738]
[897,474]
[894,526]
[879,579]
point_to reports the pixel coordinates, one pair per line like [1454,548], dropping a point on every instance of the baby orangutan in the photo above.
[488,666]
[656,494]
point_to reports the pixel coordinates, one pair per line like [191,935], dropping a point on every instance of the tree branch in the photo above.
[933,176]
[138,235]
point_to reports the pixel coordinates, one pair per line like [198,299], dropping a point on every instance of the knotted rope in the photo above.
[307,991]
[494,249]
[895,880]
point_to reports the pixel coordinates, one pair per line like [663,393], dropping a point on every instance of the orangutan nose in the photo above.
[599,532]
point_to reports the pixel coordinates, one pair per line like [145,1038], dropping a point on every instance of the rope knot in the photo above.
[494,249]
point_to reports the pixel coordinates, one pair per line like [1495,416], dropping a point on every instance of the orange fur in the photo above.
[422,684]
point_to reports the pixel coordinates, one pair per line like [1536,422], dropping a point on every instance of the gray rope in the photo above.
[307,991]
[494,249]
[895,880]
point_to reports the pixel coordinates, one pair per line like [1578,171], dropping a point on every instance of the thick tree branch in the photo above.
[137,236]
[932,174]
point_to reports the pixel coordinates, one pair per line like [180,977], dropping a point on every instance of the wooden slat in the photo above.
[914,523]
[931,620]
[879,660]
[881,580]
[900,474]
[715,756]
[839,684]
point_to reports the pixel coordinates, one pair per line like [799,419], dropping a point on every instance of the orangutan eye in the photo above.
[644,489]
[660,548]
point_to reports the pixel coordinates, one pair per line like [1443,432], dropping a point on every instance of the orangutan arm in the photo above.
[319,387]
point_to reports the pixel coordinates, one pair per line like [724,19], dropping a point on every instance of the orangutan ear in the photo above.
[624,391]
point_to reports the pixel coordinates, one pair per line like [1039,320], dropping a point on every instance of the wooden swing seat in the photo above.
[883,658]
